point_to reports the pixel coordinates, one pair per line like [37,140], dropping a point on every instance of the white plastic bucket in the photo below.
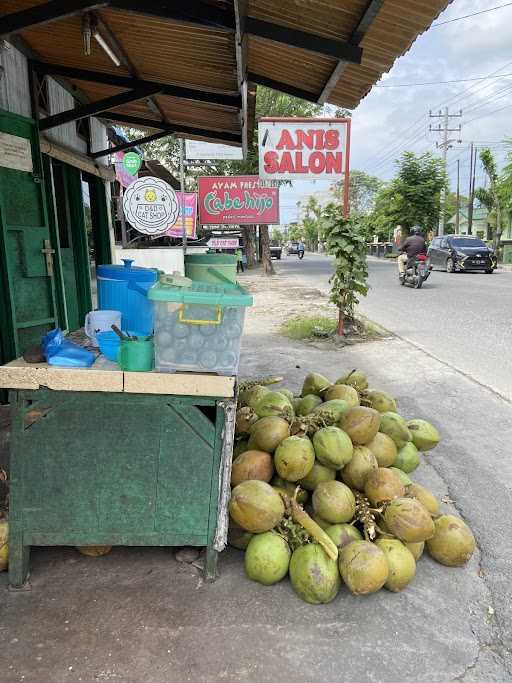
[101,321]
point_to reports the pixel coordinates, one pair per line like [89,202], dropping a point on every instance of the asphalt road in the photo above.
[462,319]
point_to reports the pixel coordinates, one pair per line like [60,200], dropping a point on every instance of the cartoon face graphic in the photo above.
[150,205]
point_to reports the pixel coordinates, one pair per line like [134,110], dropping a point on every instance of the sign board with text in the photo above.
[196,149]
[223,243]
[176,229]
[150,205]
[15,152]
[302,149]
[237,200]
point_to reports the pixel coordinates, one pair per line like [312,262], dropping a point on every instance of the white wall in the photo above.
[167,259]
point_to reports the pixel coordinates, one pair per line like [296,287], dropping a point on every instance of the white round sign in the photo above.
[150,205]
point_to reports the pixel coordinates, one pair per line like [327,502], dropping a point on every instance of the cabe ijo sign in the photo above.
[240,200]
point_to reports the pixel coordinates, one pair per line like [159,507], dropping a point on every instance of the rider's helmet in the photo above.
[416,230]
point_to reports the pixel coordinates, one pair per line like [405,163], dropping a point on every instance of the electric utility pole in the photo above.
[471,200]
[445,145]
[457,215]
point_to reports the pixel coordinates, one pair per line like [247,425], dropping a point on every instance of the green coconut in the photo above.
[286,392]
[356,379]
[294,458]
[295,403]
[267,558]
[416,549]
[363,567]
[381,401]
[315,384]
[240,447]
[383,448]
[402,565]
[322,523]
[343,392]
[361,424]
[273,404]
[237,537]
[333,410]
[255,506]
[307,404]
[382,485]
[333,447]
[395,427]
[407,458]
[268,433]
[290,489]
[252,465]
[362,463]
[404,478]
[316,475]
[424,435]
[343,534]
[426,497]
[313,575]
[334,502]
[409,520]
[453,542]
[245,418]
[251,396]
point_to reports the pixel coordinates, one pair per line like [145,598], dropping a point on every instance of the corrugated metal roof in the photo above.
[194,54]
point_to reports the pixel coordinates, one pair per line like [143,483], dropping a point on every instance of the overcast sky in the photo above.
[391,120]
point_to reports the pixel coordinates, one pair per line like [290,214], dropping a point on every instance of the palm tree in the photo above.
[491,197]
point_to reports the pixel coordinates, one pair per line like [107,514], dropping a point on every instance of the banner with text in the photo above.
[237,200]
[175,230]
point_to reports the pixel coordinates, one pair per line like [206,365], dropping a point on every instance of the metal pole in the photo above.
[457,217]
[182,185]
[444,144]
[472,169]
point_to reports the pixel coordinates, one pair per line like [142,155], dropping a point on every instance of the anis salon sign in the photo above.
[290,149]
[237,200]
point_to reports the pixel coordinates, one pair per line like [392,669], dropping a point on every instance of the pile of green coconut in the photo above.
[321,490]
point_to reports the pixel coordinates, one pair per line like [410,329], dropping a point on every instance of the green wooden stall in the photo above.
[117,468]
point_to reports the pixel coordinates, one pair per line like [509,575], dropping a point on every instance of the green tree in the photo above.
[277,236]
[311,222]
[492,196]
[347,243]
[363,190]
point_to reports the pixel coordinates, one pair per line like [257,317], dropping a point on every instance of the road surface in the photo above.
[463,319]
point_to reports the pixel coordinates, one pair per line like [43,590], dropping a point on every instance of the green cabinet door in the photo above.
[27,296]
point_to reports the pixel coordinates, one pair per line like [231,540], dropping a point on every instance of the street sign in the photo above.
[302,149]
[150,205]
[223,243]
[132,162]
[237,200]
[195,149]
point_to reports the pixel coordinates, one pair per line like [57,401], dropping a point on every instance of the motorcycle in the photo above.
[300,254]
[417,273]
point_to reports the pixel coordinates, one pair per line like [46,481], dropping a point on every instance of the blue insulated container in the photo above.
[124,288]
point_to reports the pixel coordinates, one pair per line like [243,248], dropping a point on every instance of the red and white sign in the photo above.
[237,200]
[292,149]
[223,243]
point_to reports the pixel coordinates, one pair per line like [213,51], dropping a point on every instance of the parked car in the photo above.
[275,252]
[458,253]
[293,247]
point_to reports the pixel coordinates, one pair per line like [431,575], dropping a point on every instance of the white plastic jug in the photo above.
[101,321]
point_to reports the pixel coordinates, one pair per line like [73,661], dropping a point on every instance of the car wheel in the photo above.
[450,266]
[490,271]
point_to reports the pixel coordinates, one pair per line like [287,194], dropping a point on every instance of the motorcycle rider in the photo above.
[300,249]
[411,247]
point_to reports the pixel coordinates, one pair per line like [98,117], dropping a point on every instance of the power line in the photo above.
[457,80]
[473,14]
[490,113]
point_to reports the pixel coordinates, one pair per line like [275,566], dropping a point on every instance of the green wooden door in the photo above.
[28,305]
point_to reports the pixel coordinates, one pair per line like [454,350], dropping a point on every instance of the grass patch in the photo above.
[306,327]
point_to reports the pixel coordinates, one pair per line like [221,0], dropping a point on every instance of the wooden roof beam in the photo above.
[131,143]
[241,67]
[120,81]
[305,41]
[363,25]
[44,14]
[195,12]
[96,107]
[168,129]
[282,87]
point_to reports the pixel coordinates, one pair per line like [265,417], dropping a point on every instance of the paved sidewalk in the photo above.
[137,615]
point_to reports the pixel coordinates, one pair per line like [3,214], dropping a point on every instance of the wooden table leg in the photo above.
[210,567]
[19,562]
